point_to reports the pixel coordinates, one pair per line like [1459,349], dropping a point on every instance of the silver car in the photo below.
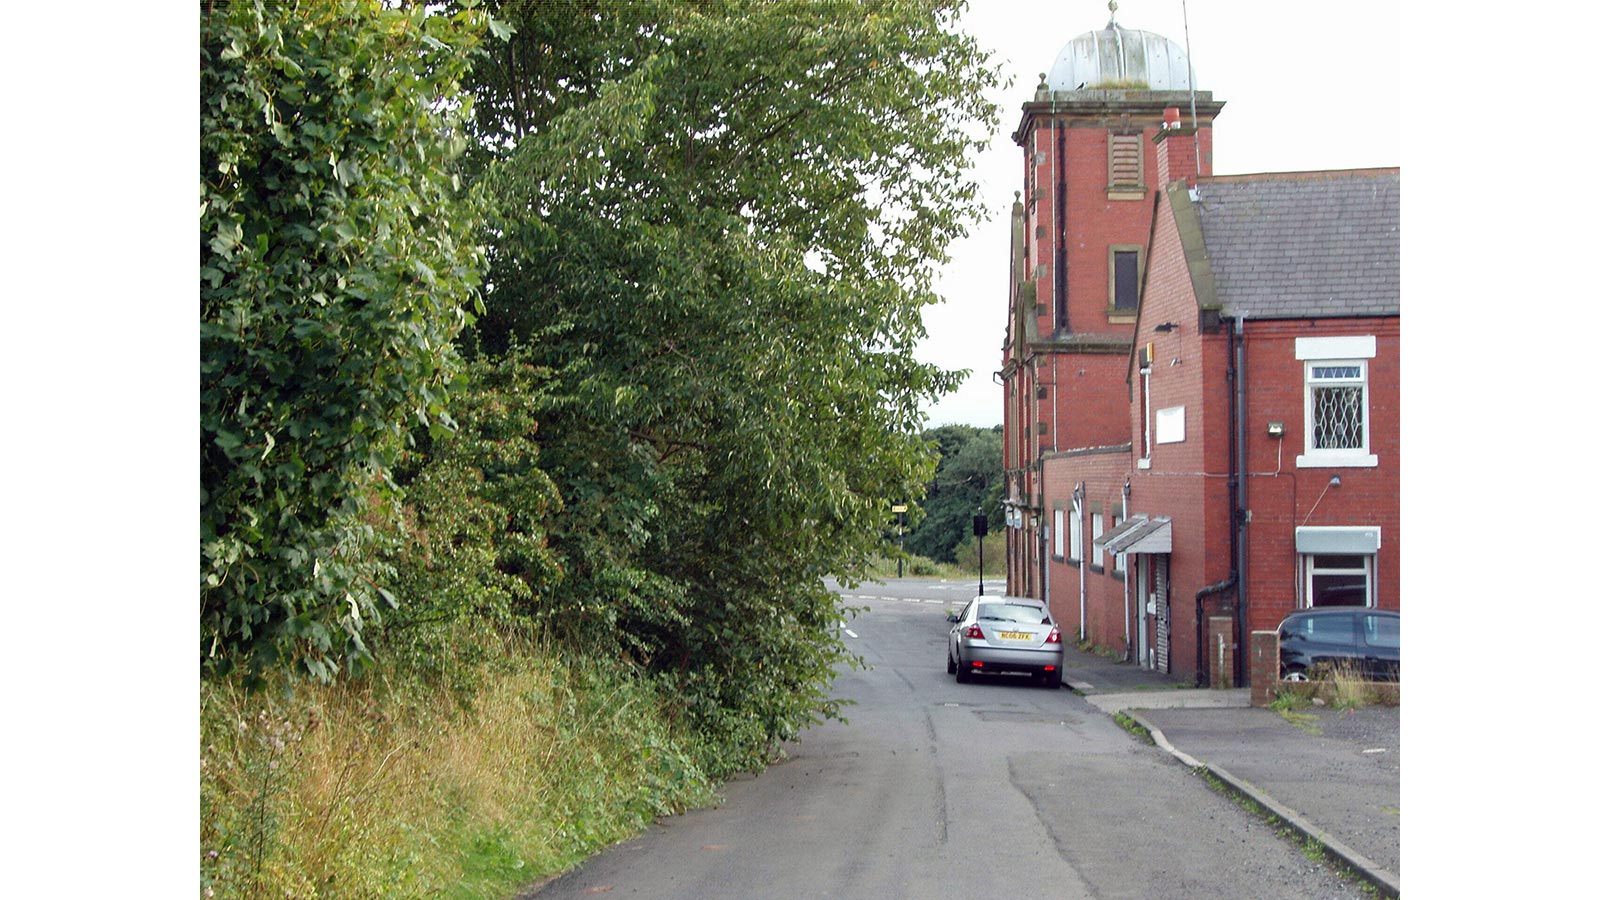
[1004,634]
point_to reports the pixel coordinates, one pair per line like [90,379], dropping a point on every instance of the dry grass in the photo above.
[1341,687]
[1348,690]
[380,790]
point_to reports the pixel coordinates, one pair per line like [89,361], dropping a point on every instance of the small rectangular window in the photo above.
[1338,409]
[1337,415]
[1125,297]
[1059,533]
[1338,579]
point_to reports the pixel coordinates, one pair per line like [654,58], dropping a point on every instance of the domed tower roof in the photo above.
[1117,57]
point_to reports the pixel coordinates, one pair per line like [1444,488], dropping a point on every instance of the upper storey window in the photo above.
[1124,279]
[1338,427]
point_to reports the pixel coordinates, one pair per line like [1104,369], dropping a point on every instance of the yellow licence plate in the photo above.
[1016,635]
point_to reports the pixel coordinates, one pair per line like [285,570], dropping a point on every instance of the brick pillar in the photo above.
[1220,651]
[1263,667]
[1175,150]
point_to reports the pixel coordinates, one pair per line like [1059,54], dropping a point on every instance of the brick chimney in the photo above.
[1175,149]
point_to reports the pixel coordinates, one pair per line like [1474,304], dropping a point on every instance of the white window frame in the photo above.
[1118,560]
[1309,572]
[1149,431]
[1324,352]
[1075,537]
[1059,534]
[1097,523]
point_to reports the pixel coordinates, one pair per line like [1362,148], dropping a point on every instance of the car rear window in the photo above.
[1006,612]
[1383,631]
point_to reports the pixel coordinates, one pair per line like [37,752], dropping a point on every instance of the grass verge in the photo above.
[390,788]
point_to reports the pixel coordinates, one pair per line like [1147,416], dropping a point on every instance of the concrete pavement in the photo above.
[1333,776]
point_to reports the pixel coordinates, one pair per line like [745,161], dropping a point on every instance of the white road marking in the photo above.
[851,633]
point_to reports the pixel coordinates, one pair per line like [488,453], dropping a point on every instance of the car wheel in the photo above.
[1052,680]
[1295,673]
[949,663]
[963,674]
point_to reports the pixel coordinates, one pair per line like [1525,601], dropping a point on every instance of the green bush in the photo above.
[994,554]
[336,265]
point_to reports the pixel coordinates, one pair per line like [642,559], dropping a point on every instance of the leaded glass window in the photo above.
[1338,405]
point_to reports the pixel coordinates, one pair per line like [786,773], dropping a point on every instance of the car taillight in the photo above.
[973,631]
[1055,636]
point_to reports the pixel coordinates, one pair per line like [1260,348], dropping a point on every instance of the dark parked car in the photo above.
[1004,634]
[1311,641]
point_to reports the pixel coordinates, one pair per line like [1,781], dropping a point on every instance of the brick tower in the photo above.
[1080,231]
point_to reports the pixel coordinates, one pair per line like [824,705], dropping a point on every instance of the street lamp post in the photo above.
[900,538]
[980,528]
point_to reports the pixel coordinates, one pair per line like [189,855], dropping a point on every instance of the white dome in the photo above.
[1117,57]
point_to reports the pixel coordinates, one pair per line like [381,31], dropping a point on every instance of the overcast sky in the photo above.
[1304,90]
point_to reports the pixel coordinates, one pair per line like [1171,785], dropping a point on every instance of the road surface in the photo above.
[933,789]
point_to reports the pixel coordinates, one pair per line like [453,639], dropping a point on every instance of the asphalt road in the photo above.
[934,789]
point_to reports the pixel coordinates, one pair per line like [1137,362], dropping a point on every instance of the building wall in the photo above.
[1077,411]
[1084,403]
[1281,495]
[1086,585]
[1087,401]
[1186,480]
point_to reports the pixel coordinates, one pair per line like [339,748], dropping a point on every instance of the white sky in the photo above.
[1317,100]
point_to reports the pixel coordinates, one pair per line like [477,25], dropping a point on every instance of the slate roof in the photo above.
[1304,244]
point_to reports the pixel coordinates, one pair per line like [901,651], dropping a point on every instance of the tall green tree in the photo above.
[967,480]
[717,224]
[337,263]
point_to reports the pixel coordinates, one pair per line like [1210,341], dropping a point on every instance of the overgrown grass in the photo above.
[1348,689]
[1339,686]
[393,789]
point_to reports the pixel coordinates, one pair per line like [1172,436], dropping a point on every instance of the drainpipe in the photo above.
[1127,591]
[1200,622]
[1060,190]
[1235,579]
[1044,546]
[1078,494]
[1238,501]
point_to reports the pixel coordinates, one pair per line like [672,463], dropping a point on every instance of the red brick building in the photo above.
[1201,373]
